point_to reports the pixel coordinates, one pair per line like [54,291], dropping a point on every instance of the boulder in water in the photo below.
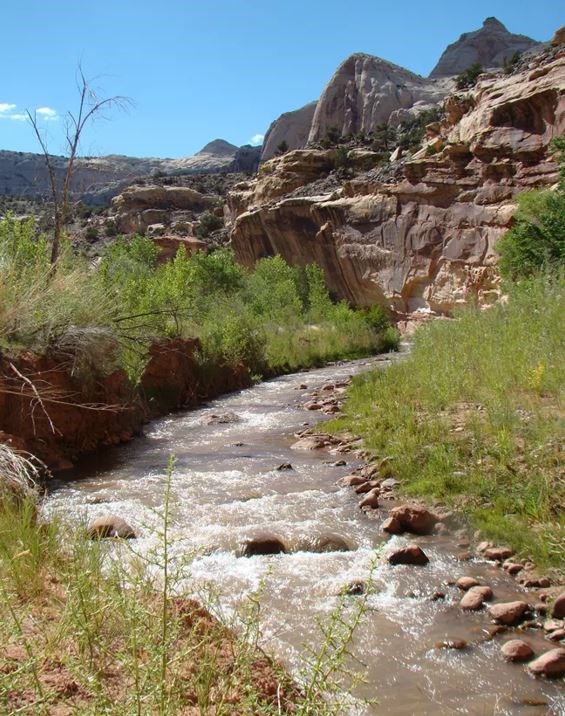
[263,544]
[517,650]
[110,526]
[551,664]
[509,613]
[411,554]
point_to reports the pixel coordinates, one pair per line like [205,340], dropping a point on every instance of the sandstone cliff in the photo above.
[292,128]
[365,91]
[424,242]
[490,46]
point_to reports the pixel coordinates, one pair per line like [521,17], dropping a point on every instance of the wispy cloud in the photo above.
[7,112]
[47,113]
[257,139]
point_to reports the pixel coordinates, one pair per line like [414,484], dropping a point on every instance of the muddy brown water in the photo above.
[226,489]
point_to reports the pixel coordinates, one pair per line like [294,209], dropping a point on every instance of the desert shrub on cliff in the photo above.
[469,77]
[208,223]
[536,242]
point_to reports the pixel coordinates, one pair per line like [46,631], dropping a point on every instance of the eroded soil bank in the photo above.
[57,409]
[240,476]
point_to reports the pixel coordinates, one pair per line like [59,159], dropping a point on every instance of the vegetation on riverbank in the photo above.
[273,319]
[474,417]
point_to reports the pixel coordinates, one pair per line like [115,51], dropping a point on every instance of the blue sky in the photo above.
[197,71]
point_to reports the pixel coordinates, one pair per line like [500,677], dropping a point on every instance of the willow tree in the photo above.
[90,105]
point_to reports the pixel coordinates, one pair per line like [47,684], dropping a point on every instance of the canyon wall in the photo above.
[419,235]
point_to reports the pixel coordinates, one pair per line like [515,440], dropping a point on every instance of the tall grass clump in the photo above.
[474,416]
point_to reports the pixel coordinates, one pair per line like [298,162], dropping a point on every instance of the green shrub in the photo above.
[208,223]
[469,77]
[271,319]
[536,242]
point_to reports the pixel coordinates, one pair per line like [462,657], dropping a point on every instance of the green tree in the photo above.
[537,239]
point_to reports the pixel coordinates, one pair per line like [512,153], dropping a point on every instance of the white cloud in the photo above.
[5,107]
[17,117]
[257,139]
[48,114]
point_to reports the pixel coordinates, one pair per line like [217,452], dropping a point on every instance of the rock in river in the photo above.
[411,554]
[110,526]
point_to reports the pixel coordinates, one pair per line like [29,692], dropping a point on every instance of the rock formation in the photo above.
[490,46]
[365,91]
[425,242]
[292,128]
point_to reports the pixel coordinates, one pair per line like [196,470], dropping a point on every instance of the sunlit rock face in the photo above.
[424,242]
[490,46]
[365,91]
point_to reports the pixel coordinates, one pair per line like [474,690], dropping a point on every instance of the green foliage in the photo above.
[333,135]
[510,63]
[536,242]
[412,132]
[282,147]
[342,159]
[469,77]
[269,320]
[208,223]
[473,417]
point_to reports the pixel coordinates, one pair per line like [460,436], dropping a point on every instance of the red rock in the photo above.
[551,664]
[551,625]
[308,443]
[466,583]
[498,554]
[110,526]
[475,597]
[312,405]
[534,582]
[451,644]
[513,568]
[411,554]
[558,611]
[367,487]
[517,650]
[557,635]
[371,499]
[415,518]
[508,613]
[392,526]
[483,546]
[352,480]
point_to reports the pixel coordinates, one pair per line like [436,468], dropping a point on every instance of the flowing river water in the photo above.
[226,489]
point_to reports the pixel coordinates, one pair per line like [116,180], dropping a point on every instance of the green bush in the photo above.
[469,77]
[208,223]
[536,242]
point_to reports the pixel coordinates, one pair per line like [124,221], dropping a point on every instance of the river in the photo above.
[226,489]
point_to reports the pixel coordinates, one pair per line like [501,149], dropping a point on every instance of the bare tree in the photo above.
[90,105]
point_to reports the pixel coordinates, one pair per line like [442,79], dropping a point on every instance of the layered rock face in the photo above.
[490,46]
[424,243]
[365,91]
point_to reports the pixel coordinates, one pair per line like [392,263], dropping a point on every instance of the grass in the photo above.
[474,417]
[92,627]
